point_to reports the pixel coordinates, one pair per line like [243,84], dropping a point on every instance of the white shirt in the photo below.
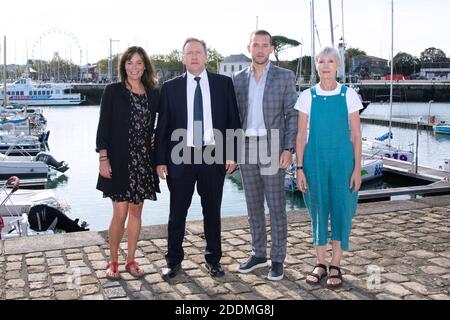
[255,117]
[304,102]
[191,84]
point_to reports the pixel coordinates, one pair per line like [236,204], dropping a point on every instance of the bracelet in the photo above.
[102,157]
[300,167]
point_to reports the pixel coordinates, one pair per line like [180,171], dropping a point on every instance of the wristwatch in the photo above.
[291,150]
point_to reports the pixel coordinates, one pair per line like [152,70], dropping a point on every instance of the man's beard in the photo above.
[264,62]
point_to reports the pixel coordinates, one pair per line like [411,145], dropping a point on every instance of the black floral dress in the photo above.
[142,184]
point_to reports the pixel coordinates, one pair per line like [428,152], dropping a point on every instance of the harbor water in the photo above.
[72,139]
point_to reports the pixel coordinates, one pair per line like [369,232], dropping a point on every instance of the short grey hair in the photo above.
[329,51]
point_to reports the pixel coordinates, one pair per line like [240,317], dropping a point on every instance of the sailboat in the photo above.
[377,146]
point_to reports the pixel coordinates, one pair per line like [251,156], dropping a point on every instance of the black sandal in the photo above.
[315,275]
[336,276]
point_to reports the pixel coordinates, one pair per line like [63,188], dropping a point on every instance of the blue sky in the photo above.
[161,26]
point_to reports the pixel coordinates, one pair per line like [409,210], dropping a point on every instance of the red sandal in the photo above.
[112,271]
[133,268]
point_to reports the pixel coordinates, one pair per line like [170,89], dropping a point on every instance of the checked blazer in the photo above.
[279,99]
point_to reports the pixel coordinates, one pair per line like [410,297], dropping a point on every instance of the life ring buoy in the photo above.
[14,182]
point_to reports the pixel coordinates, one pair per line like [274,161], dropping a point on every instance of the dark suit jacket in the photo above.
[113,133]
[173,115]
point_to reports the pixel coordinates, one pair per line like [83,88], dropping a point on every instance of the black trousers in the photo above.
[209,180]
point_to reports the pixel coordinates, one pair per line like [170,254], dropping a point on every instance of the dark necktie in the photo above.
[198,115]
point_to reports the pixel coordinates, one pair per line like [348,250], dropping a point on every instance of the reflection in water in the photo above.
[294,200]
[235,177]
[58,181]
[78,125]
[376,184]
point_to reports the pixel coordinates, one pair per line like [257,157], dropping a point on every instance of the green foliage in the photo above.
[214,57]
[282,43]
[432,54]
[406,64]
[58,69]
[349,54]
[102,66]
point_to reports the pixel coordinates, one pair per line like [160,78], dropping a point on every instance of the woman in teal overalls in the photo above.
[329,164]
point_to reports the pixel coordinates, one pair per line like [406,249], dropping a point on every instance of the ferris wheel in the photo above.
[59,43]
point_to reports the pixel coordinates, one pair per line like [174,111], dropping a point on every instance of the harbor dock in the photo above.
[429,181]
[397,122]
[398,250]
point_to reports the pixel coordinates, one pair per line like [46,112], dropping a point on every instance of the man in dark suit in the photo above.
[195,111]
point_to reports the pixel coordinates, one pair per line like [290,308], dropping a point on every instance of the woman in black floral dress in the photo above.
[124,135]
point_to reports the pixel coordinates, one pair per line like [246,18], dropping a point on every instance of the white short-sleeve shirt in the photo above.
[304,101]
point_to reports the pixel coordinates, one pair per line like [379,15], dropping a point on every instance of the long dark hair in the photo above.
[149,78]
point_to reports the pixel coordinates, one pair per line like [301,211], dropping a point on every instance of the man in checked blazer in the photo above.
[266,97]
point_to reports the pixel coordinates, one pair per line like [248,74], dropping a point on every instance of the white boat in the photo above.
[34,212]
[22,200]
[442,128]
[24,169]
[39,167]
[370,169]
[375,147]
[25,120]
[20,145]
[27,92]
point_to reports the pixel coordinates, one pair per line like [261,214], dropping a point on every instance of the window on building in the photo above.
[240,67]
[21,93]
[232,68]
[39,93]
[224,68]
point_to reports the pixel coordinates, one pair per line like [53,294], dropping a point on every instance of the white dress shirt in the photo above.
[255,117]
[208,134]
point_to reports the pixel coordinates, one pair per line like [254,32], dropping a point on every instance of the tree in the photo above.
[214,57]
[55,69]
[432,55]
[406,64]
[282,43]
[102,66]
[351,53]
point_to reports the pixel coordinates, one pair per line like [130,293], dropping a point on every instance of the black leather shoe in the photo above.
[215,270]
[170,272]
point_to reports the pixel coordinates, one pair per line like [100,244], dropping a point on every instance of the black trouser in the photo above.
[210,180]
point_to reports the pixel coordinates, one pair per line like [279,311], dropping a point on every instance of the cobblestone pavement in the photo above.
[399,250]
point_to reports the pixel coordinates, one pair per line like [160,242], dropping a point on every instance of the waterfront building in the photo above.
[435,71]
[233,63]
[369,67]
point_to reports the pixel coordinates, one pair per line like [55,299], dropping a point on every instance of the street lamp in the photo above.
[110,70]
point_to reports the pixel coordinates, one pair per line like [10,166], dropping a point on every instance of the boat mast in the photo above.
[331,23]
[313,45]
[343,45]
[298,74]
[392,71]
[5,97]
